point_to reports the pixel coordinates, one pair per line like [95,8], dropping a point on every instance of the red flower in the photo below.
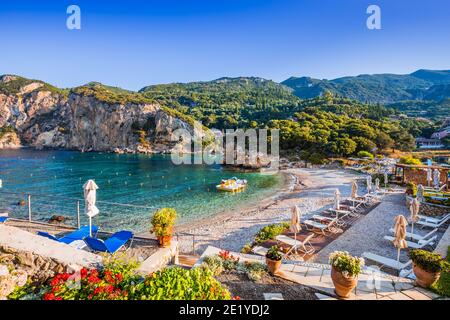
[119,277]
[83,272]
[49,296]
[236,298]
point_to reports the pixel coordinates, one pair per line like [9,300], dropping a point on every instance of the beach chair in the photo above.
[3,219]
[430,224]
[304,246]
[112,244]
[79,234]
[416,245]
[313,225]
[417,237]
[433,219]
[386,262]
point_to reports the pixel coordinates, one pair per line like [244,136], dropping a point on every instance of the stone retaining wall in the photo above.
[429,209]
[37,267]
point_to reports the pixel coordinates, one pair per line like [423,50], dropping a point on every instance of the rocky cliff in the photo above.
[88,118]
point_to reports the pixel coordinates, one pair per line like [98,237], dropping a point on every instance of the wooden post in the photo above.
[29,208]
[193,245]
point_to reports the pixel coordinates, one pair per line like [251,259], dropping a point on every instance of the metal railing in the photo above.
[35,207]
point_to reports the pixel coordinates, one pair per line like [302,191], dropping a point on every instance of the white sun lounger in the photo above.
[387,262]
[311,225]
[429,224]
[304,246]
[414,245]
[417,237]
[433,219]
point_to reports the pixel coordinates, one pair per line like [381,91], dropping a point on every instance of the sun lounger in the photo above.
[304,246]
[79,234]
[387,262]
[433,219]
[417,237]
[3,219]
[313,225]
[112,244]
[416,245]
[429,224]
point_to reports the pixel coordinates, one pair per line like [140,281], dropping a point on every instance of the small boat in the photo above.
[232,185]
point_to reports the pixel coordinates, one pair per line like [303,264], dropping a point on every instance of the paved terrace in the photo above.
[368,232]
[380,286]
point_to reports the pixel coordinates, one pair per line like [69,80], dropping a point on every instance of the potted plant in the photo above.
[162,225]
[273,259]
[344,272]
[427,266]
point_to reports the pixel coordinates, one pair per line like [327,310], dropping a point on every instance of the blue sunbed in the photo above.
[79,234]
[112,244]
[3,219]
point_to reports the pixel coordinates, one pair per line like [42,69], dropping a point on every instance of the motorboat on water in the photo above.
[232,185]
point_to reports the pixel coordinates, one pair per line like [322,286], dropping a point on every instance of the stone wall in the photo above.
[37,267]
[429,209]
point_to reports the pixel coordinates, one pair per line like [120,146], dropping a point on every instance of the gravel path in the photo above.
[314,192]
[368,232]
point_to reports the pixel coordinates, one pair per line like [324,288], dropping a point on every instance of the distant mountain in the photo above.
[378,88]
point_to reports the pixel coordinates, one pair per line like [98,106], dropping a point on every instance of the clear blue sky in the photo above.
[135,43]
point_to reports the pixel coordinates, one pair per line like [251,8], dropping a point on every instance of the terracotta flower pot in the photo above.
[273,265]
[424,278]
[343,286]
[164,241]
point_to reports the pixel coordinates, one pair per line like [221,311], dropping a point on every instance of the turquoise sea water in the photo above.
[55,180]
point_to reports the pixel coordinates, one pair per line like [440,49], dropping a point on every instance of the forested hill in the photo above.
[378,88]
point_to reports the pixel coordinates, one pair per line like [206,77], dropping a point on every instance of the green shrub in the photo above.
[411,189]
[180,284]
[410,160]
[442,286]
[428,261]
[214,263]
[270,232]
[163,221]
[345,263]
[274,253]
[365,154]
[254,270]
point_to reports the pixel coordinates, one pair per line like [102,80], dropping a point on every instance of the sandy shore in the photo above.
[310,189]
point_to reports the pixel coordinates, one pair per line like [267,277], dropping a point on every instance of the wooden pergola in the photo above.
[418,174]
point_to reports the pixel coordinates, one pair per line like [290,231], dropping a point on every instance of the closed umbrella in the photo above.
[295,223]
[400,235]
[420,191]
[377,184]
[429,176]
[337,199]
[354,194]
[414,209]
[436,177]
[90,197]
[385,179]
[369,183]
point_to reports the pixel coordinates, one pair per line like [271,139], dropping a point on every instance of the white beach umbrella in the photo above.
[337,199]
[420,191]
[354,194]
[400,234]
[369,183]
[377,184]
[414,209]
[295,222]
[90,197]
[385,176]
[436,177]
[429,176]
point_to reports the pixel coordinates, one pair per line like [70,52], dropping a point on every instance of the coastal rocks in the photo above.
[50,119]
[38,268]
[57,219]
[10,141]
